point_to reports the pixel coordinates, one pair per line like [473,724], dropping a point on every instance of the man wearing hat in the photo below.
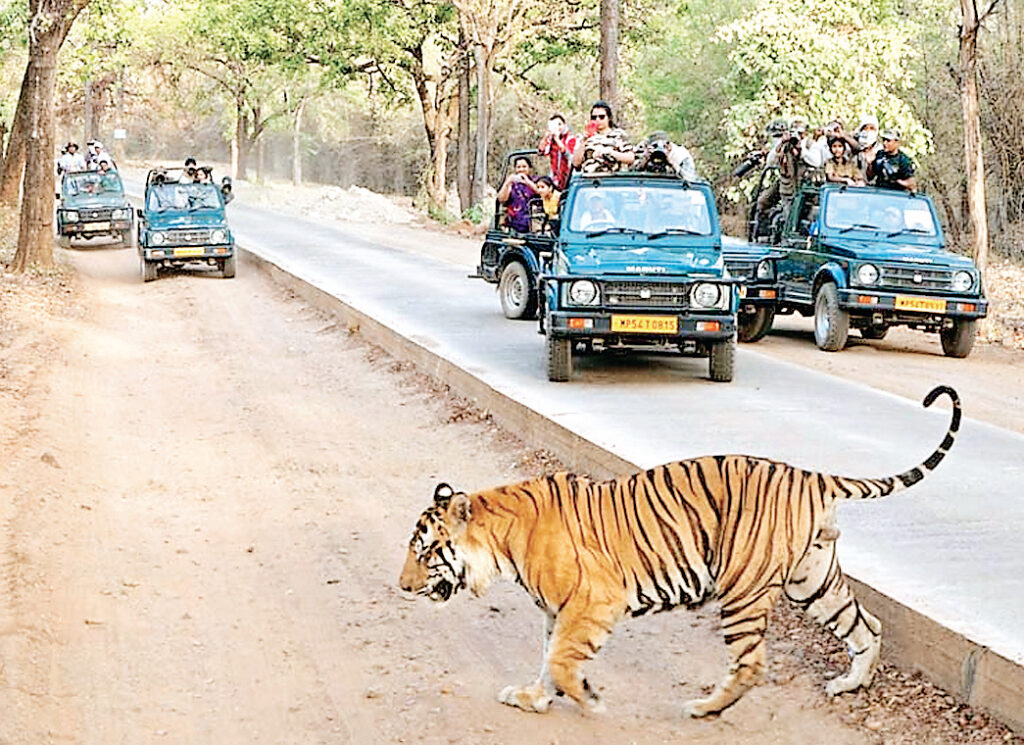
[70,160]
[892,168]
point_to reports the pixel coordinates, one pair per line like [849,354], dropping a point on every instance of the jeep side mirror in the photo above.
[138,211]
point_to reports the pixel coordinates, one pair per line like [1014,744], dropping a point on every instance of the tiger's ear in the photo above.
[443,494]
[459,512]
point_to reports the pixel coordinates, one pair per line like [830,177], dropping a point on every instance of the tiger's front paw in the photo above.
[528,698]
[700,707]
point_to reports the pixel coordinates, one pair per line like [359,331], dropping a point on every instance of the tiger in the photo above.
[738,529]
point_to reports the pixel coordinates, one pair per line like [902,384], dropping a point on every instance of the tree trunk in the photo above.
[297,144]
[35,235]
[483,116]
[972,134]
[609,84]
[90,113]
[14,159]
[240,143]
[464,161]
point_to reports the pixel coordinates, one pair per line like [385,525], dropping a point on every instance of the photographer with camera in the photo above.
[606,148]
[868,144]
[658,154]
[558,144]
[892,168]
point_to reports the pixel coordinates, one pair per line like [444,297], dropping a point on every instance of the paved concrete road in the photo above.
[950,548]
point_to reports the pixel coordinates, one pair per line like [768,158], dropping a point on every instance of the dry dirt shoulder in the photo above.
[206,492]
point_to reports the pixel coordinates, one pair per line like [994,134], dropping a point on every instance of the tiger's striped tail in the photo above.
[891,485]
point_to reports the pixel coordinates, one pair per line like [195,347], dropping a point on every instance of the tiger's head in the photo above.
[434,566]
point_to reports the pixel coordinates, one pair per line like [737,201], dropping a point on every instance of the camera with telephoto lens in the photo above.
[888,168]
[750,161]
[654,157]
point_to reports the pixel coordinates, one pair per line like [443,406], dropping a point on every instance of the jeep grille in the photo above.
[188,237]
[910,278]
[645,294]
[84,215]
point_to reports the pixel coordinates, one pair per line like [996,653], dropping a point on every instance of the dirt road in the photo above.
[205,495]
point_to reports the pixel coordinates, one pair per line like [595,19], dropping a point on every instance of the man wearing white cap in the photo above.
[867,138]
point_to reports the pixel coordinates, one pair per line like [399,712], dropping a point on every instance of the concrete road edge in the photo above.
[975,674]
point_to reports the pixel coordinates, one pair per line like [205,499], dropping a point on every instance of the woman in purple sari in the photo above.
[516,193]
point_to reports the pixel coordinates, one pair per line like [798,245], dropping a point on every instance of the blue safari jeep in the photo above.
[93,205]
[870,259]
[638,265]
[183,222]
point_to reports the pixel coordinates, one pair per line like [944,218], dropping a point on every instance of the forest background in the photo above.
[424,97]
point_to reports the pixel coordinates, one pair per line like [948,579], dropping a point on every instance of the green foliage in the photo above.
[819,59]
[13,26]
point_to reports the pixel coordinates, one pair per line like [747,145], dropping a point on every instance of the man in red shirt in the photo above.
[558,144]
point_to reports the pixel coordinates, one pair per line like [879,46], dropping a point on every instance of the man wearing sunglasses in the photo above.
[605,148]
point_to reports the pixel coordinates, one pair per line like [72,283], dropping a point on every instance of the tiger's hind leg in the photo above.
[744,621]
[817,585]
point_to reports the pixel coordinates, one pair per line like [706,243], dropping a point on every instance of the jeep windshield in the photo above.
[92,183]
[164,197]
[657,210]
[891,214]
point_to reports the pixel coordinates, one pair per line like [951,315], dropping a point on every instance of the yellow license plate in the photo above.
[926,304]
[97,226]
[646,324]
[198,251]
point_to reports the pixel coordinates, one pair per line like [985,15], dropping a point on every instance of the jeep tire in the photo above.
[64,241]
[752,327]
[227,267]
[148,269]
[831,323]
[559,349]
[958,341]
[518,298]
[722,360]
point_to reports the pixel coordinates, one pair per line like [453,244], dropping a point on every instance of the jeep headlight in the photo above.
[867,274]
[765,269]
[219,236]
[583,292]
[120,214]
[962,281]
[70,216]
[706,295]
[157,239]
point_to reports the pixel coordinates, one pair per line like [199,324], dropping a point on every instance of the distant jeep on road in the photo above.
[93,205]
[183,222]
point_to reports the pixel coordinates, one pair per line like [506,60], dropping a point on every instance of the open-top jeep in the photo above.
[512,260]
[870,259]
[93,205]
[638,265]
[182,221]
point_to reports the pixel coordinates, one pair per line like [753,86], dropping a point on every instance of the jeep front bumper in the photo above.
[907,308]
[187,253]
[642,326]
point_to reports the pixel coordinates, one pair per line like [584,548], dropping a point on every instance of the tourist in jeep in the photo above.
[606,147]
[841,167]
[516,193]
[892,168]
[558,145]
